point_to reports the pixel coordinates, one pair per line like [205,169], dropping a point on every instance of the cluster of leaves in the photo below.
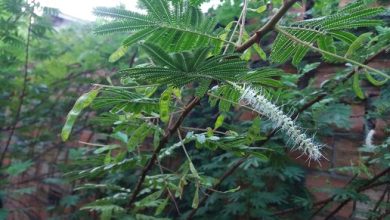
[155,91]
[59,69]
[181,53]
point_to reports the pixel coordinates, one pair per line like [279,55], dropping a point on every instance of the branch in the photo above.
[322,202]
[220,180]
[364,187]
[268,27]
[195,101]
[380,200]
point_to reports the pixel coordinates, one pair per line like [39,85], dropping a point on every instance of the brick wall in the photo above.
[344,145]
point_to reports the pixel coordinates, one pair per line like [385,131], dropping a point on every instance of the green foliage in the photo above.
[17,168]
[335,114]
[323,30]
[179,69]
[84,101]
[220,149]
[176,28]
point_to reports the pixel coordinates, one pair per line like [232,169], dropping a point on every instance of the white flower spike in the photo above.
[262,105]
[369,137]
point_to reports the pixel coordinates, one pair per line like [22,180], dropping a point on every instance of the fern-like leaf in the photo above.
[184,67]
[323,30]
[177,28]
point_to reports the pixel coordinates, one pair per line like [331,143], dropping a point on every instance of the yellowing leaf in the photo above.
[84,101]
[356,86]
[374,81]
[259,10]
[195,201]
[193,170]
[119,53]
[219,121]
[164,104]
[233,190]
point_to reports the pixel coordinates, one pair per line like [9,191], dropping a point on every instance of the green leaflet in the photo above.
[353,16]
[203,87]
[347,37]
[218,123]
[374,81]
[18,167]
[84,101]
[259,155]
[102,186]
[179,69]
[226,95]
[106,210]
[165,100]
[356,86]
[119,53]
[195,201]
[193,169]
[135,102]
[158,55]
[259,10]
[138,136]
[176,28]
[263,77]
[161,207]
[256,47]
[326,43]
[156,138]
[138,36]
[358,43]
[151,200]
[147,217]
[254,131]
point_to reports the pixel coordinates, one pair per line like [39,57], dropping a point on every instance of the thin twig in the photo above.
[124,87]
[24,87]
[232,102]
[364,187]
[201,129]
[168,190]
[243,18]
[268,27]
[380,200]
[195,101]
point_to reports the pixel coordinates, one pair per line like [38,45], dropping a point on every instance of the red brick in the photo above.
[317,181]
[86,135]
[247,116]
[357,118]
[346,152]
[380,126]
